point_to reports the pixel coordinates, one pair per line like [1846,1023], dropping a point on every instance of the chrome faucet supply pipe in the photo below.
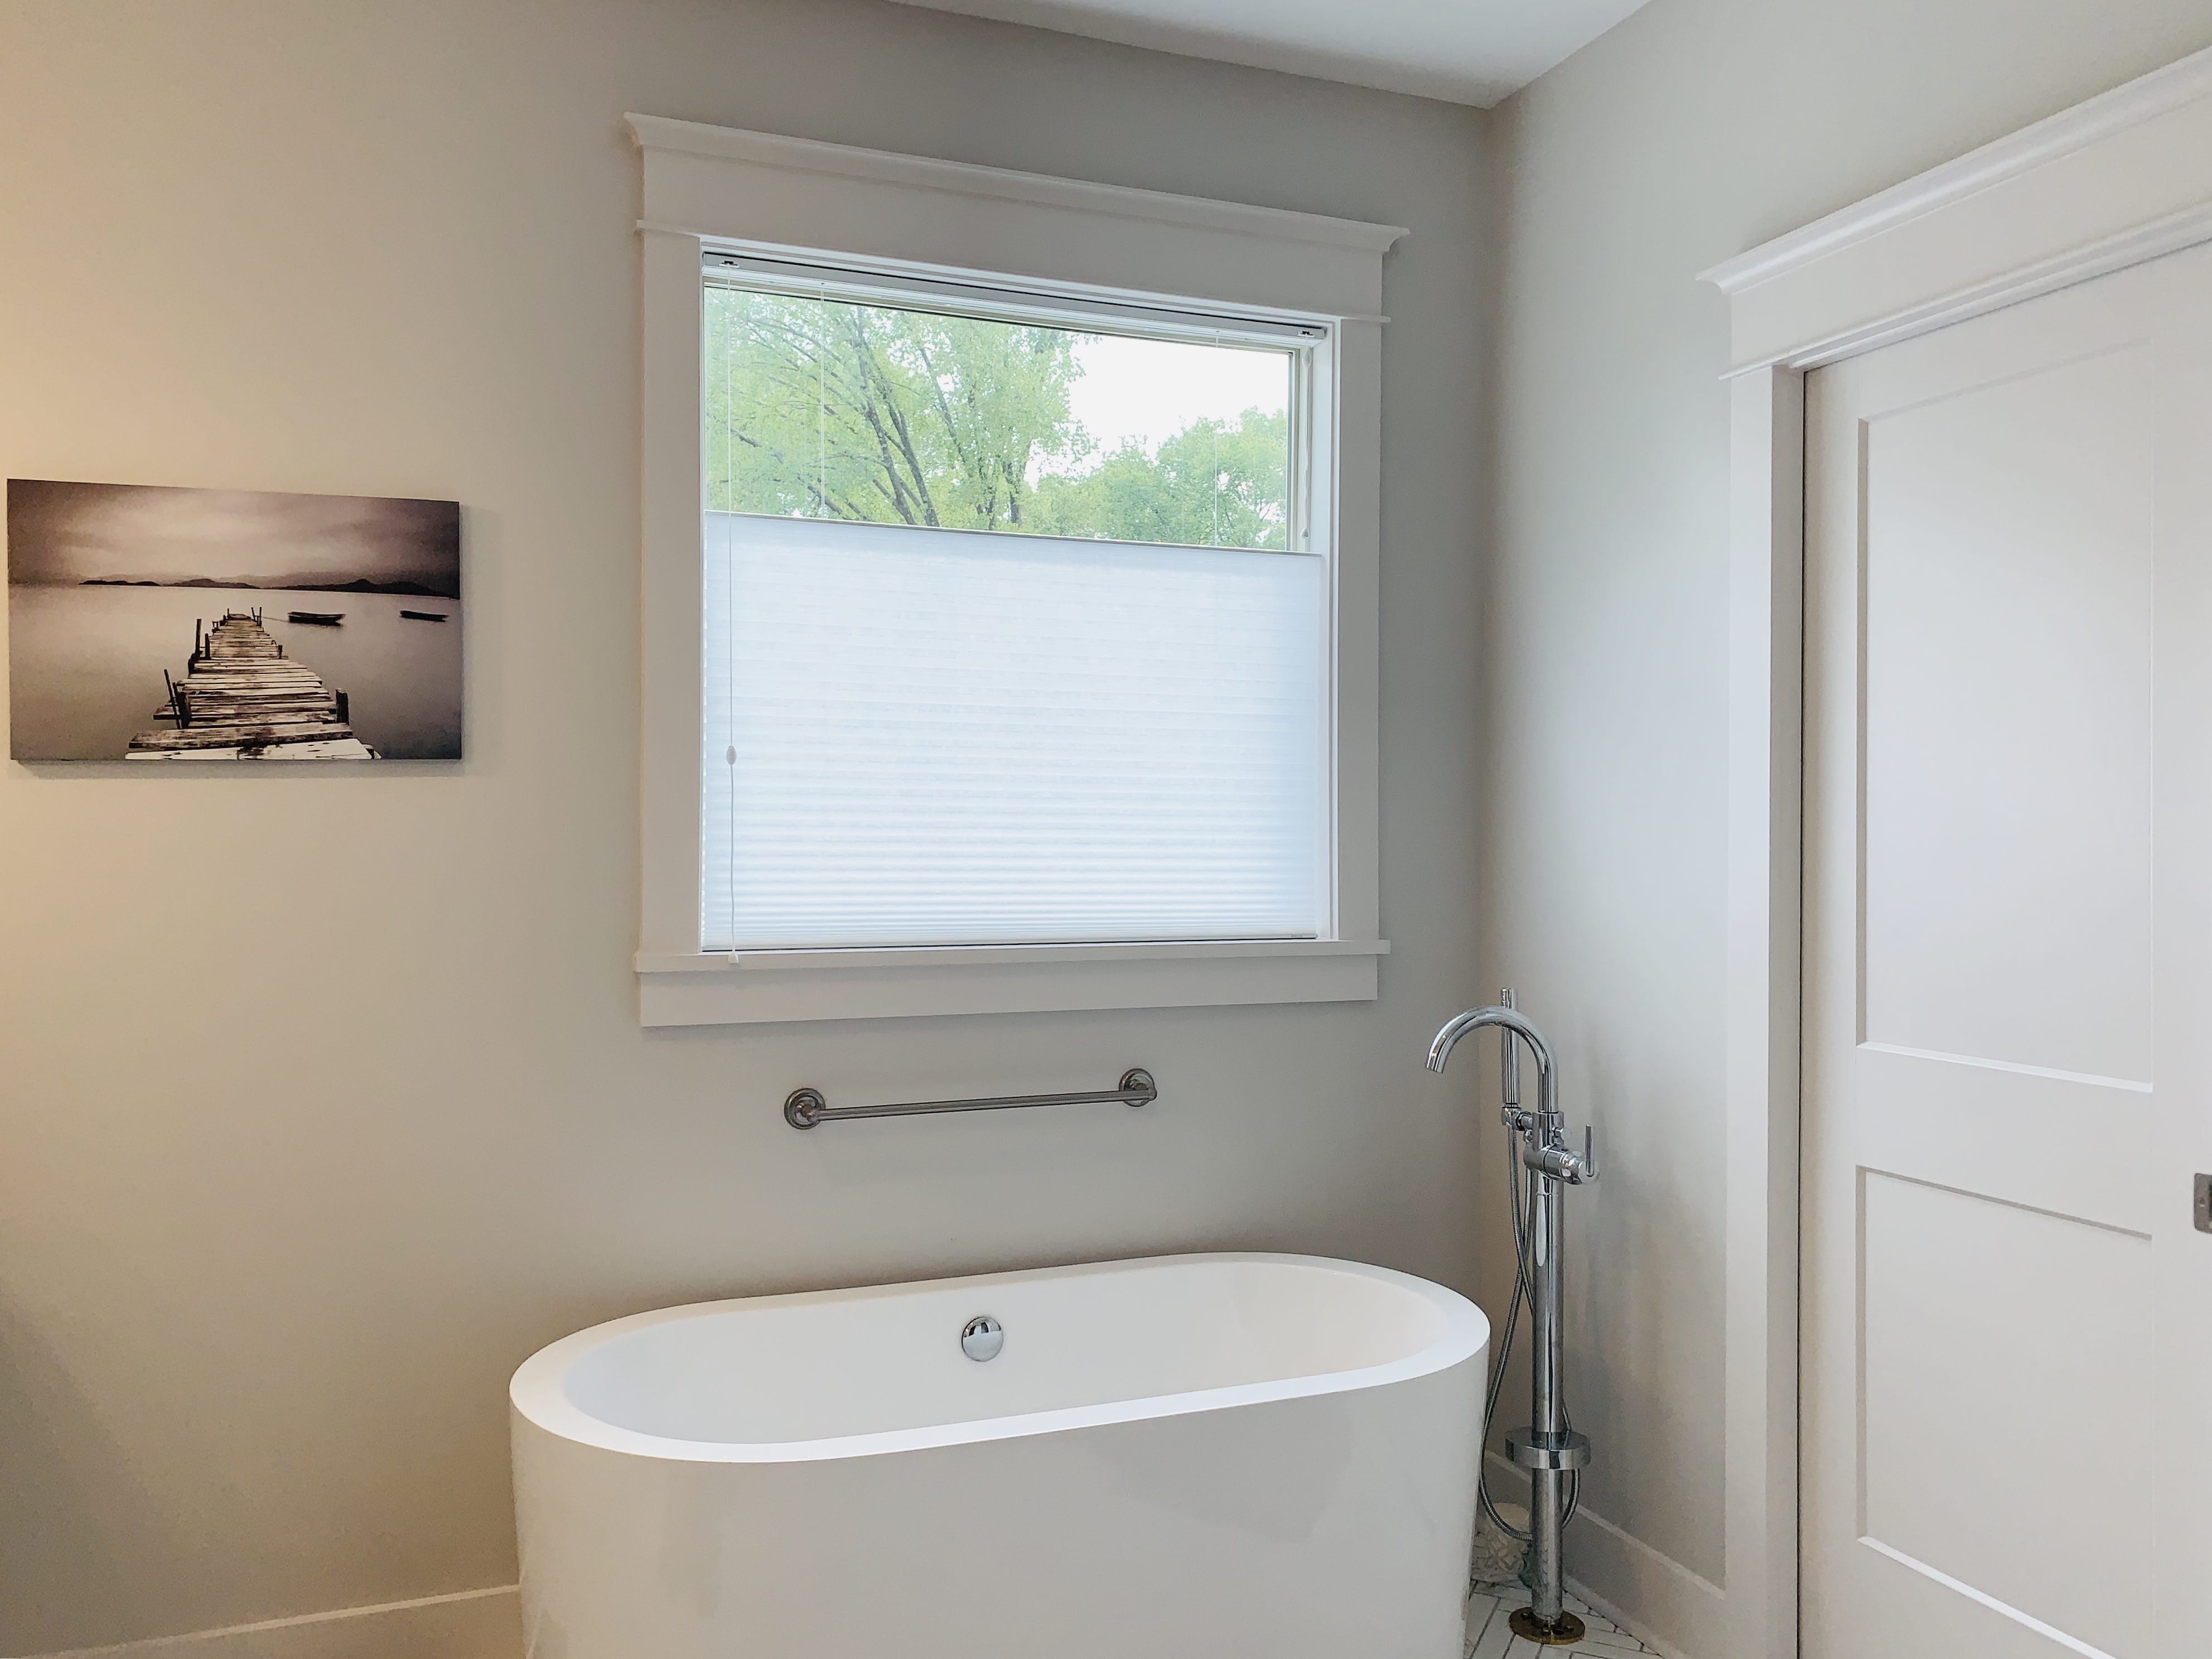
[1549,1447]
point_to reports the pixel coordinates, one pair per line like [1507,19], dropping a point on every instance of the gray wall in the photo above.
[1696,129]
[323,1101]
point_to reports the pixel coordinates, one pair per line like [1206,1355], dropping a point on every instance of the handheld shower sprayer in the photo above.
[1549,1448]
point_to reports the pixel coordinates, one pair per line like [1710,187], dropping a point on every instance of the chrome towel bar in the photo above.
[807,1107]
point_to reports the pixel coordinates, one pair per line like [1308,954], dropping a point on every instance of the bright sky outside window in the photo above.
[1005,642]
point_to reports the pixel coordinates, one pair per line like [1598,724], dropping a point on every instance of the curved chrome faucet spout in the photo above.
[1515,1024]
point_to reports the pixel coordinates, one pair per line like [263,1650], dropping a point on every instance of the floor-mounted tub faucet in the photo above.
[1549,1448]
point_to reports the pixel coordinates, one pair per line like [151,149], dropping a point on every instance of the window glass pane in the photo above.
[1005,639]
[821,408]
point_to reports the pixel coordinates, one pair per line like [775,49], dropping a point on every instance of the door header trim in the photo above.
[2124,178]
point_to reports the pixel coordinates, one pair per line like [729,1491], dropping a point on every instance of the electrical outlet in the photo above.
[2204,1204]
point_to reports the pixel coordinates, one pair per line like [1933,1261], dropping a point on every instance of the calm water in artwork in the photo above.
[85,663]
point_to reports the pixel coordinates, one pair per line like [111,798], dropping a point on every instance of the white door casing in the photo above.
[2121,179]
[1996,521]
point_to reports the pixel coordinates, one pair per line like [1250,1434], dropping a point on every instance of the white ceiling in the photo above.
[1470,51]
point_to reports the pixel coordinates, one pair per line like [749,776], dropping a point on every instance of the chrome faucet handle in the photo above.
[1548,1156]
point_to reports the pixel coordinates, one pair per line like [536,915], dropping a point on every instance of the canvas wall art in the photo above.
[146,622]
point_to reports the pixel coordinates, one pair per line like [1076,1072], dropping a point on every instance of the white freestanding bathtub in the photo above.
[1191,1457]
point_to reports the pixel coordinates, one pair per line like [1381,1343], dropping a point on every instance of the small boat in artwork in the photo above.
[424,615]
[320,618]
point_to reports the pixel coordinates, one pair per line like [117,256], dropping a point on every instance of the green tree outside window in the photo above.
[828,409]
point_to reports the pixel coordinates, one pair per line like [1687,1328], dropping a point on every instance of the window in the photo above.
[1015,632]
[1009,591]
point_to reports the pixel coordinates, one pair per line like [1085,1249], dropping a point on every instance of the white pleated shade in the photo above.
[932,736]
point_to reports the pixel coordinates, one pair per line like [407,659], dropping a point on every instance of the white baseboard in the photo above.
[1652,1596]
[485,1624]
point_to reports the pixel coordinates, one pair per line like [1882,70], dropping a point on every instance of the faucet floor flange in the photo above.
[1562,1632]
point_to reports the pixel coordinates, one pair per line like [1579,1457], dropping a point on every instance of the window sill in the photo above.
[754,986]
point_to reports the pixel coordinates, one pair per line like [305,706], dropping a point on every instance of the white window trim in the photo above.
[758,194]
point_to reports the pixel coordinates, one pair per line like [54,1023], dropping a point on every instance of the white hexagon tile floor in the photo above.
[1488,1638]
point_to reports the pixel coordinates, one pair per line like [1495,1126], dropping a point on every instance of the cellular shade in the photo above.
[918,736]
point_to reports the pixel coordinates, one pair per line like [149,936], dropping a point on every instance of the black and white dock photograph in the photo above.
[150,623]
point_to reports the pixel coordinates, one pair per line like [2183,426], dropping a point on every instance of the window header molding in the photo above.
[766,192]
[1020,303]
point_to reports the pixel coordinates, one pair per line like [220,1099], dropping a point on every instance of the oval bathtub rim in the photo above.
[536,1395]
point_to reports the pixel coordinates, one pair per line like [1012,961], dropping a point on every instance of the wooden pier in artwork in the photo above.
[241,698]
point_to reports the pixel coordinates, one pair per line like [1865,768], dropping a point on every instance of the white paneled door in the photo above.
[2006,1382]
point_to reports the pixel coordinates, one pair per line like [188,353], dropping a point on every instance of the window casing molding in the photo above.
[756,194]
